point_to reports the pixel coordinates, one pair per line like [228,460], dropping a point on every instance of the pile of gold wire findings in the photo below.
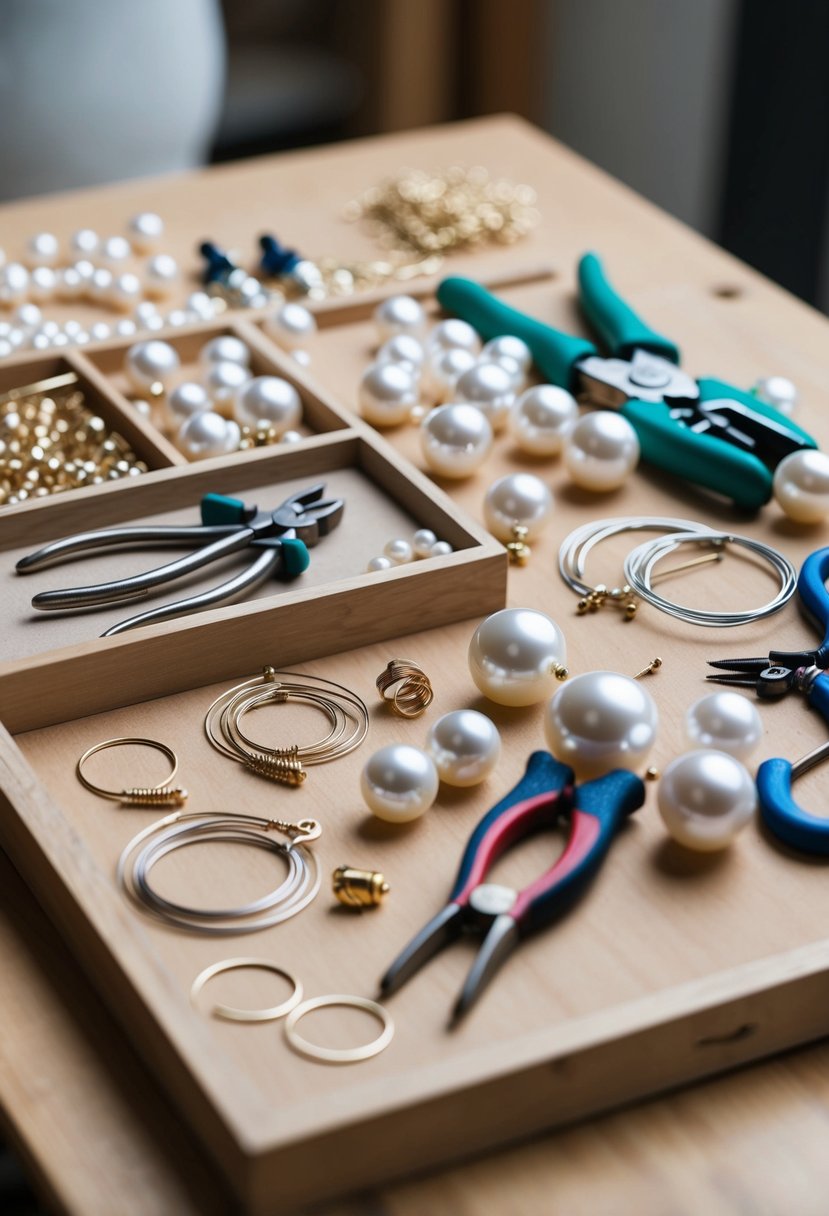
[346,712]
[262,435]
[458,208]
[413,692]
[51,441]
[327,276]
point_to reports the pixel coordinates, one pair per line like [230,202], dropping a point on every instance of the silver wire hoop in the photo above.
[229,1012]
[339,1055]
[572,556]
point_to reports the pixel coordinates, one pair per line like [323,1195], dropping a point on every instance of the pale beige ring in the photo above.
[232,1014]
[339,1055]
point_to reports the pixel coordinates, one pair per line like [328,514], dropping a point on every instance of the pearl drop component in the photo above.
[601,451]
[705,798]
[455,440]
[43,249]
[223,381]
[399,783]
[465,746]
[149,363]
[84,242]
[387,393]
[208,434]
[541,419]
[423,542]
[600,721]
[115,249]
[512,347]
[291,326]
[379,563]
[801,486]
[455,333]
[399,315]
[146,230]
[187,399]
[270,399]
[398,551]
[726,721]
[515,654]
[779,392]
[225,349]
[441,371]
[517,500]
[488,386]
[405,350]
[160,275]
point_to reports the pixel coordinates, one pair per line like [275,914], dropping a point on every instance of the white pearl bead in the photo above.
[801,486]
[200,303]
[269,399]
[399,315]
[514,654]
[126,328]
[541,419]
[290,326]
[150,363]
[50,328]
[144,312]
[379,563]
[442,369]
[160,275]
[28,316]
[599,721]
[465,746]
[488,386]
[100,331]
[100,285]
[455,439]
[17,337]
[84,242]
[126,291]
[398,551]
[291,437]
[517,375]
[423,542]
[146,230]
[441,548]
[142,407]
[14,283]
[85,270]
[302,357]
[225,349]
[779,392]
[6,348]
[60,340]
[114,251]
[386,394]
[72,328]
[43,249]
[705,798]
[187,399]
[153,323]
[726,721]
[42,284]
[223,381]
[512,347]
[601,451]
[206,434]
[399,783]
[405,350]
[177,317]
[517,500]
[69,284]
[455,333]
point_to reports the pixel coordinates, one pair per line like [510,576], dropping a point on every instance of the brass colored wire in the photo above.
[163,794]
[404,685]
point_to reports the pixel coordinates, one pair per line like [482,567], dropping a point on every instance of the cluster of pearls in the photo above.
[399,552]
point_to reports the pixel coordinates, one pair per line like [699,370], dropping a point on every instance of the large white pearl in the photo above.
[511,347]
[208,434]
[399,315]
[160,275]
[43,249]
[442,369]
[515,372]
[705,798]
[290,326]
[146,230]
[270,399]
[801,486]
[726,721]
[489,387]
[225,349]
[398,550]
[601,451]
[223,381]
[465,746]
[185,400]
[516,655]
[405,350]
[517,500]
[455,333]
[84,243]
[541,419]
[599,721]
[399,783]
[455,439]
[14,283]
[777,391]
[387,393]
[150,363]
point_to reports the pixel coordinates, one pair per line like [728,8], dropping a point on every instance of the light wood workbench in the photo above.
[79,1106]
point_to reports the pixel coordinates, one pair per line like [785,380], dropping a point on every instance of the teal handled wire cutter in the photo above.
[703,431]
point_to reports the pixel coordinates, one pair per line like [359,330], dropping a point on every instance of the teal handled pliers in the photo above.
[704,431]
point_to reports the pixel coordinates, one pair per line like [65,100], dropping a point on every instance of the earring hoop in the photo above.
[163,794]
[229,1012]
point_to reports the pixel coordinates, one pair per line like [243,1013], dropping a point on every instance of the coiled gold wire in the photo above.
[163,794]
[412,689]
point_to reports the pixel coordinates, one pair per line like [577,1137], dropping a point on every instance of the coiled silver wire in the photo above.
[574,551]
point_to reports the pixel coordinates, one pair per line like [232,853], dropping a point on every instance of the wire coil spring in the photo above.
[167,795]
[286,769]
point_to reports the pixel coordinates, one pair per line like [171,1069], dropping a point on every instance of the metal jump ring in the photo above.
[232,1014]
[142,796]
[339,1055]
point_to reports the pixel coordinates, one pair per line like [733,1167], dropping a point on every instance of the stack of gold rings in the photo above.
[405,687]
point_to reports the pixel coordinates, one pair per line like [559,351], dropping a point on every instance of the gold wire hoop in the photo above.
[229,1012]
[410,688]
[162,794]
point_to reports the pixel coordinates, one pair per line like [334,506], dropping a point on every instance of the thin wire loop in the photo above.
[229,1012]
[339,1055]
[410,688]
[162,794]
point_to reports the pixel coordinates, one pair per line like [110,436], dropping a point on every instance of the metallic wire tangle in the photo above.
[153,795]
[347,715]
[639,571]
[413,692]
[229,1012]
[572,556]
[294,893]
[339,1055]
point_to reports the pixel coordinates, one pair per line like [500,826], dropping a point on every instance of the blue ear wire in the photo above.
[276,259]
[217,264]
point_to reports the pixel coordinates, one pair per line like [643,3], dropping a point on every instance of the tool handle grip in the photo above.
[783,816]
[555,353]
[814,599]
[614,320]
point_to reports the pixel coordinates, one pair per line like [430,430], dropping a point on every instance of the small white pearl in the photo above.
[100,331]
[519,499]
[488,386]
[455,439]
[50,328]
[69,284]
[43,249]
[379,563]
[515,372]
[455,333]
[465,746]
[405,350]
[541,419]
[269,399]
[726,721]
[601,451]
[705,798]
[17,337]
[146,230]
[177,317]
[599,721]
[302,357]
[28,316]
[82,337]
[160,275]
[777,391]
[291,437]
[399,783]
[114,251]
[40,341]
[84,243]
[142,407]
[423,541]
[126,291]
[290,326]
[153,323]
[201,304]
[126,328]
[801,486]
[223,381]
[60,340]
[512,347]
[386,394]
[14,283]
[85,270]
[6,348]
[442,369]
[398,551]
[150,363]
[72,328]
[399,315]
[225,349]
[144,311]
[187,399]
[5,329]
[42,284]
[205,434]
[441,548]
[100,286]
[514,654]
[233,435]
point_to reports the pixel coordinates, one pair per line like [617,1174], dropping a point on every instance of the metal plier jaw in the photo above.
[307,514]
[610,383]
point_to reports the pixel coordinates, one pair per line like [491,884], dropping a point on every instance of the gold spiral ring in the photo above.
[404,686]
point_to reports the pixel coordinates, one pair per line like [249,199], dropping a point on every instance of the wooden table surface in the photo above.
[82,1111]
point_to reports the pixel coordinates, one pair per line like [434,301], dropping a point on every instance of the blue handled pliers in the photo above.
[547,792]
[775,675]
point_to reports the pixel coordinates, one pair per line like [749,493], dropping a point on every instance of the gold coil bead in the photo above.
[404,686]
[287,770]
[147,796]
[359,888]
